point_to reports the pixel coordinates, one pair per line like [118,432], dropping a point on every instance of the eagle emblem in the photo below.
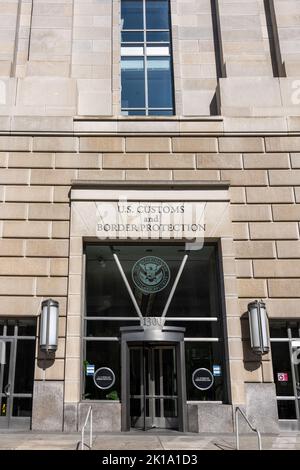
[151,274]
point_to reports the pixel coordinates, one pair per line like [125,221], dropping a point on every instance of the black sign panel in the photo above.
[202,379]
[104,378]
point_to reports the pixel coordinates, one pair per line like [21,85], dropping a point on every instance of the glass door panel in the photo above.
[296,366]
[283,378]
[168,385]
[282,369]
[24,371]
[17,353]
[5,382]
[22,383]
[137,401]
[153,387]
[285,345]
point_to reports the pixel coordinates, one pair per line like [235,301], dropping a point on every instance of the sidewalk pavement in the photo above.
[146,441]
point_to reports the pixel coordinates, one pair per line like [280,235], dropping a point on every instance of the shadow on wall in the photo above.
[214,107]
[45,360]
[215,104]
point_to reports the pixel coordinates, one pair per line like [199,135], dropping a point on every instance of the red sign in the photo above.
[282,376]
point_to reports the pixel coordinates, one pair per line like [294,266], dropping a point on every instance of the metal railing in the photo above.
[89,415]
[237,436]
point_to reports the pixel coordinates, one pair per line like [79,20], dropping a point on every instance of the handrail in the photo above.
[89,415]
[237,437]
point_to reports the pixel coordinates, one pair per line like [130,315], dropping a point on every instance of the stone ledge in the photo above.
[67,126]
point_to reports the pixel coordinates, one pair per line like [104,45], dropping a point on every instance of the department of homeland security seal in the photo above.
[151,274]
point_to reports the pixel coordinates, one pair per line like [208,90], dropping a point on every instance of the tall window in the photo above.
[146,62]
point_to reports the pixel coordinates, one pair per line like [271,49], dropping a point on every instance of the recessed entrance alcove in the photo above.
[149,304]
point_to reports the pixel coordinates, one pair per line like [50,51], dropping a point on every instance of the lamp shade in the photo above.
[49,325]
[259,328]
[2,353]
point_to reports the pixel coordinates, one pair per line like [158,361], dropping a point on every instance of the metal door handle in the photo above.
[6,390]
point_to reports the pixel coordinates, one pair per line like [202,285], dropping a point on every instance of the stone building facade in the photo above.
[232,143]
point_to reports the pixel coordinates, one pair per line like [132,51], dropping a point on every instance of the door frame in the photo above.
[152,421]
[5,420]
[289,424]
[10,421]
[166,336]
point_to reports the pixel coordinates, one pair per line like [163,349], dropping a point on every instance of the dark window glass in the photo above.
[286,409]
[132,36]
[136,367]
[97,328]
[195,296]
[132,14]
[158,36]
[278,329]
[133,82]
[102,354]
[161,112]
[194,329]
[24,366]
[5,380]
[160,82]
[18,327]
[133,112]
[203,355]
[169,382]
[135,410]
[295,329]
[282,365]
[26,327]
[157,14]
[170,408]
[10,328]
[22,407]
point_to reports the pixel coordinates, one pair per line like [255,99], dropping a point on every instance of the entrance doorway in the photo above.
[17,353]
[285,344]
[164,296]
[153,378]
[153,387]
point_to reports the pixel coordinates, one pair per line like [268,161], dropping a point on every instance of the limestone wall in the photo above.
[36,173]
[63,58]
[59,101]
